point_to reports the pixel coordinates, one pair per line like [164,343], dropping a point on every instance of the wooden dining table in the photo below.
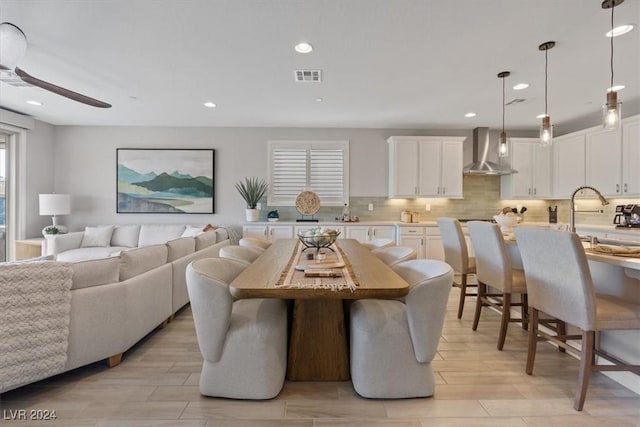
[318,344]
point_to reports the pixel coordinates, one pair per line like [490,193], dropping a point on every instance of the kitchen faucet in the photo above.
[572,208]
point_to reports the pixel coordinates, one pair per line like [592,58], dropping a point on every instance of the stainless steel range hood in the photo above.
[480,164]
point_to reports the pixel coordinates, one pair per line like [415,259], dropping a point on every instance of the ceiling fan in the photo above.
[13,45]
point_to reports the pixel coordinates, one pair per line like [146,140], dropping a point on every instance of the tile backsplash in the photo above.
[481,201]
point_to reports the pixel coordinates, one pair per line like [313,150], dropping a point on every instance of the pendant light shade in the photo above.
[612,109]
[546,128]
[503,142]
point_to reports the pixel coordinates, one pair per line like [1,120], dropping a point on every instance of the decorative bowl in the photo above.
[318,238]
[506,222]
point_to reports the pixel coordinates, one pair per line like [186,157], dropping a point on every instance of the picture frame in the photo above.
[165,180]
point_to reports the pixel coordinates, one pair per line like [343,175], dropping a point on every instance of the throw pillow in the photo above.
[192,231]
[96,236]
[208,227]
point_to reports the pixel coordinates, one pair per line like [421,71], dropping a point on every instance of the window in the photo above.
[320,166]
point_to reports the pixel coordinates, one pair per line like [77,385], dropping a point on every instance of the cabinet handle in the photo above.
[271,231]
[444,190]
[535,190]
[529,190]
[411,231]
[265,232]
[625,187]
[368,233]
[374,232]
[617,188]
[415,190]
[421,242]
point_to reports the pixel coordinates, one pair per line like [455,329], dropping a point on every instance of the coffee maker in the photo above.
[627,216]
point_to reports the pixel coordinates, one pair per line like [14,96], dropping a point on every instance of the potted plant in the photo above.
[252,190]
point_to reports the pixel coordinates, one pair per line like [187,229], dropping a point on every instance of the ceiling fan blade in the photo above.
[60,90]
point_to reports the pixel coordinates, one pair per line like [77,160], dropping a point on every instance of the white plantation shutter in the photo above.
[320,166]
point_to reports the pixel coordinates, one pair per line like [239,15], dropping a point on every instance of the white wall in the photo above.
[40,167]
[86,165]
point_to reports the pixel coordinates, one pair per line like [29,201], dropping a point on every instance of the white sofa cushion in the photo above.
[205,240]
[85,254]
[95,272]
[97,236]
[137,261]
[180,247]
[125,235]
[154,234]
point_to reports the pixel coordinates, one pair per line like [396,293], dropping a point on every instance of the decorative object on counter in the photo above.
[307,203]
[611,110]
[273,216]
[546,129]
[553,214]
[347,215]
[507,220]
[252,190]
[503,143]
[415,216]
[318,238]
[405,216]
[54,205]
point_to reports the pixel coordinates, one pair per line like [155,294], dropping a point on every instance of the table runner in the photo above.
[622,251]
[292,278]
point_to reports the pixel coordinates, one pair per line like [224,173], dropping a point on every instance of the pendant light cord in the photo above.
[611,86]
[546,77]
[503,105]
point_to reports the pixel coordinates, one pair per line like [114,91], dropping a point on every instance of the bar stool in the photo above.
[240,253]
[494,268]
[379,243]
[395,254]
[252,242]
[560,284]
[456,254]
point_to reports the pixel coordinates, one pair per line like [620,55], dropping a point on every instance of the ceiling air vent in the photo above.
[516,101]
[308,75]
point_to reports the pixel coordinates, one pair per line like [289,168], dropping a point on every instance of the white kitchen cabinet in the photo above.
[533,163]
[604,161]
[268,232]
[568,164]
[631,157]
[414,238]
[365,233]
[434,248]
[425,166]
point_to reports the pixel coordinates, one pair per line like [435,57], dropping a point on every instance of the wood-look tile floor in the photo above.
[157,385]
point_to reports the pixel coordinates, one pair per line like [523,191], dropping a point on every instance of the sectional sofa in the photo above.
[104,298]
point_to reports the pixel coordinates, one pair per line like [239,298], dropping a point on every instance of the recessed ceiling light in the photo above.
[36,103]
[303,47]
[616,88]
[209,104]
[620,30]
[470,114]
[521,86]
[319,99]
[541,116]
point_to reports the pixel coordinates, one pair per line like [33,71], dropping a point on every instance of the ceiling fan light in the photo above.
[13,45]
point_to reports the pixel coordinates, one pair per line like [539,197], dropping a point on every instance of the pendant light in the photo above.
[503,143]
[546,129]
[611,110]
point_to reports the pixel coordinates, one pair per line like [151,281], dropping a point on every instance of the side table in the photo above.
[29,248]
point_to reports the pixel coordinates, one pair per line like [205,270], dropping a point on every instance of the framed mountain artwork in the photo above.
[165,180]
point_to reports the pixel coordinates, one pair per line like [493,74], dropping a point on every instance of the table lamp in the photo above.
[54,205]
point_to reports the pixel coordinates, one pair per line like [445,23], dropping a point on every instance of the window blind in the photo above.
[320,166]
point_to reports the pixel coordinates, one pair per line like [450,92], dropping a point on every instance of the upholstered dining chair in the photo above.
[241,253]
[253,242]
[394,341]
[494,269]
[395,254]
[456,254]
[243,342]
[560,284]
[379,243]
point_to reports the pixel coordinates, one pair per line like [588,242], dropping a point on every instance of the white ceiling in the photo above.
[385,63]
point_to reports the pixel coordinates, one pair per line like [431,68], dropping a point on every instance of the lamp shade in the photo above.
[55,204]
